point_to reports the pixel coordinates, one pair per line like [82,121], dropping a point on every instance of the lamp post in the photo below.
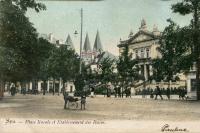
[80,68]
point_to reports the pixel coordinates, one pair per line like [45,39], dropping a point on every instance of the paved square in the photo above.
[51,107]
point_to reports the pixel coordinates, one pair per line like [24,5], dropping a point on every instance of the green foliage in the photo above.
[106,67]
[127,67]
[23,5]
[44,52]
[63,63]
[79,82]
[192,7]
[19,58]
[183,8]
[175,44]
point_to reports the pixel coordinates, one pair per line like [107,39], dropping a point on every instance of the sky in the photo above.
[113,18]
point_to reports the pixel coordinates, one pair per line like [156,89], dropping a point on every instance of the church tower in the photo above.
[97,49]
[87,53]
[69,43]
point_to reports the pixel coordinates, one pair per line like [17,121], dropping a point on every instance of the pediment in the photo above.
[142,36]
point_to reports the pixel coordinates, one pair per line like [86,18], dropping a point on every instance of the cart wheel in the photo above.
[73,105]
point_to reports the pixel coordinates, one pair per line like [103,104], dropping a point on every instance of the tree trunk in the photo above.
[63,87]
[1,89]
[44,87]
[198,79]
[196,49]
[53,86]
[33,86]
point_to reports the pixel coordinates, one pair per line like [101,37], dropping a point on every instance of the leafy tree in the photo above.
[44,52]
[174,50]
[127,68]
[106,68]
[192,7]
[18,40]
[63,63]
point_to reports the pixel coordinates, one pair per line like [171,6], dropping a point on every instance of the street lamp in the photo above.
[80,68]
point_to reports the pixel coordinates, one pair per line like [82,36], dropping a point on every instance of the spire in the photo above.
[97,43]
[86,46]
[143,25]
[69,42]
[130,34]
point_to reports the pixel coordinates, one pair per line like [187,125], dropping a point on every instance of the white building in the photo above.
[191,82]
[143,46]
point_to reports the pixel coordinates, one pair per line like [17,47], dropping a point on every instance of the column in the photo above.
[39,85]
[48,86]
[30,87]
[145,72]
[27,86]
[150,70]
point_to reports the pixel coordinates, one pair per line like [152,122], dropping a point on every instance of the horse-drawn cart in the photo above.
[73,102]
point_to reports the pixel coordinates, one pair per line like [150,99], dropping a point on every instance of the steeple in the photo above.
[97,44]
[68,42]
[130,34]
[86,46]
[143,25]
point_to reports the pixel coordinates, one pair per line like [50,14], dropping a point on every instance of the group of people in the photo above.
[119,93]
[181,92]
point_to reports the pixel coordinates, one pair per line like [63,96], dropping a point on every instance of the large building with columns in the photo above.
[143,46]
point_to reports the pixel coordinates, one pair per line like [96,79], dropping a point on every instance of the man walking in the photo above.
[158,92]
[168,93]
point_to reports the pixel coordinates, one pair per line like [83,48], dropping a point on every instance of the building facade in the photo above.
[143,46]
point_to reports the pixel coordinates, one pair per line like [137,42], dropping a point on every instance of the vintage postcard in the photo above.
[99,66]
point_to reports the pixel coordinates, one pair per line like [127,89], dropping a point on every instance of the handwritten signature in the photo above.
[167,128]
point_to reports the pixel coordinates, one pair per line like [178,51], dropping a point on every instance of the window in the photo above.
[71,89]
[147,52]
[193,84]
[136,54]
[142,53]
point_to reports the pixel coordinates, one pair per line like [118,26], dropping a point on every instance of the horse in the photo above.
[69,99]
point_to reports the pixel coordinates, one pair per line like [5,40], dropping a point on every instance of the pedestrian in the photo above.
[144,92]
[83,100]
[92,91]
[179,93]
[158,92]
[129,92]
[13,89]
[115,89]
[183,93]
[151,94]
[119,92]
[24,91]
[168,93]
[126,92]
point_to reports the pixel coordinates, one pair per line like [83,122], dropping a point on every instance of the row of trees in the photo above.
[23,56]
[179,46]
